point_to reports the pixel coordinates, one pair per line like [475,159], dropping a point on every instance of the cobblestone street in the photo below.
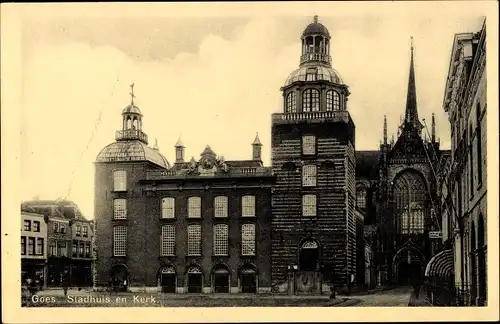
[398,297]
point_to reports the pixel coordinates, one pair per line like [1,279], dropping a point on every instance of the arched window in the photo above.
[309,175]
[120,180]
[336,100]
[291,103]
[310,100]
[329,100]
[248,239]
[410,196]
[309,205]
[194,239]
[167,240]
[221,239]
[120,208]
[248,206]
[220,206]
[168,207]
[194,207]
[361,197]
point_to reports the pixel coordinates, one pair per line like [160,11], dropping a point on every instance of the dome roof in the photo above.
[132,109]
[322,73]
[315,28]
[123,151]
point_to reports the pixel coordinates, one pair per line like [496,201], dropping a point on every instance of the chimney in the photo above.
[179,151]
[257,149]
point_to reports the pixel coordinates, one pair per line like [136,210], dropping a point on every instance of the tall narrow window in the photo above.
[56,227]
[220,206]
[85,232]
[194,239]
[87,250]
[120,208]
[248,239]
[291,103]
[39,246]
[81,250]
[23,245]
[308,144]
[63,248]
[329,100]
[336,100]
[53,248]
[62,229]
[471,161]
[120,180]
[221,239]
[168,207]
[194,207]
[309,175]
[31,245]
[310,100]
[478,144]
[36,226]
[78,230]
[361,198]
[410,195]
[248,206]
[74,249]
[119,240]
[167,240]
[309,205]
[27,225]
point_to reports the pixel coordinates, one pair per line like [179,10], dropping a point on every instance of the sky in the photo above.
[211,79]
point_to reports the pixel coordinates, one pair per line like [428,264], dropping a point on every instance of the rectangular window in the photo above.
[56,227]
[309,175]
[119,240]
[168,207]
[78,230]
[478,145]
[31,245]
[248,206]
[167,240]
[27,225]
[248,239]
[220,206]
[220,239]
[120,209]
[120,180]
[36,226]
[39,246]
[309,145]
[62,249]
[62,229]
[85,232]
[194,207]
[74,250]
[309,205]
[194,239]
[23,245]
[53,248]
[87,250]
[81,250]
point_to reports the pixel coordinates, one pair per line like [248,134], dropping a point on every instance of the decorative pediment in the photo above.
[208,165]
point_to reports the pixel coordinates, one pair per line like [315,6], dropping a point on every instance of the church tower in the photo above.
[313,225]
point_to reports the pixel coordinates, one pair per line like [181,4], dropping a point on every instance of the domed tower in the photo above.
[118,198]
[313,158]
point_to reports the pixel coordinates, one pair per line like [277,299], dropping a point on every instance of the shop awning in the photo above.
[441,265]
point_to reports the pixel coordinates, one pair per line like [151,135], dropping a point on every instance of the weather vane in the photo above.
[132,93]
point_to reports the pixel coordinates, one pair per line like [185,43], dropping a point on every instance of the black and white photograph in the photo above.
[325,154]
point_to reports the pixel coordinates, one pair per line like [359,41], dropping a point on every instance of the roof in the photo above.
[124,151]
[315,28]
[54,208]
[367,164]
[244,164]
[132,109]
[322,73]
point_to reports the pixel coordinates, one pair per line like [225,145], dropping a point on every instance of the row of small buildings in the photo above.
[56,238]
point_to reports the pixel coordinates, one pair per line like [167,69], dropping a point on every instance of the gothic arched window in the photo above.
[410,196]
[291,103]
[361,197]
[310,100]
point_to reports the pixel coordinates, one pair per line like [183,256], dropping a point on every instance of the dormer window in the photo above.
[291,103]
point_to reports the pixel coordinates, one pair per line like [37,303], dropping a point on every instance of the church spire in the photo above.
[411,113]
[385,130]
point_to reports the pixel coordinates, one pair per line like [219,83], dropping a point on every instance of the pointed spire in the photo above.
[385,130]
[179,143]
[433,129]
[256,141]
[411,113]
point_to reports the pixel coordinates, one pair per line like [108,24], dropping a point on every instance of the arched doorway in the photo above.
[309,255]
[120,277]
[221,279]
[167,279]
[408,266]
[472,255]
[481,260]
[248,279]
[194,279]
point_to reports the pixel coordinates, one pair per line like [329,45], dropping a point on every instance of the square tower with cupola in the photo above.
[313,158]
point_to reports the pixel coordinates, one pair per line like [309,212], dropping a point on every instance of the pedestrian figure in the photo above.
[332,291]
[125,285]
[64,282]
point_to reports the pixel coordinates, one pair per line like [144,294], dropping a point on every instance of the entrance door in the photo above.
[248,281]
[167,280]
[221,281]
[309,256]
[194,282]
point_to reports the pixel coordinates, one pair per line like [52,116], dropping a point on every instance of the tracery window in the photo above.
[410,196]
[310,100]
[361,198]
